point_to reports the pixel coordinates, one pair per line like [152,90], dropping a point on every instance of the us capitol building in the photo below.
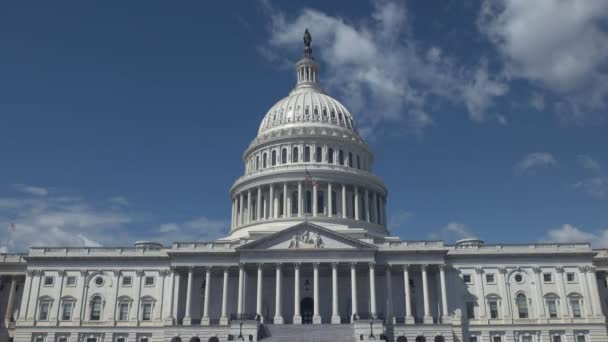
[308,258]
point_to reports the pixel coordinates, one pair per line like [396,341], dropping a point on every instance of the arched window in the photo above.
[213,339]
[401,339]
[284,156]
[330,155]
[439,339]
[341,157]
[195,339]
[320,201]
[575,302]
[340,116]
[264,158]
[294,202]
[350,159]
[257,162]
[316,111]
[551,300]
[294,155]
[522,305]
[95,306]
[420,339]
[307,154]
[308,206]
[176,339]
[319,155]
[307,111]
[273,158]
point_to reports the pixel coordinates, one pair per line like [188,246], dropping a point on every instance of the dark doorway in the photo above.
[307,309]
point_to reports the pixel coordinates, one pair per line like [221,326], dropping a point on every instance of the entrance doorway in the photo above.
[307,310]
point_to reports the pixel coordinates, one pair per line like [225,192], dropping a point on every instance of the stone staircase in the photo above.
[308,333]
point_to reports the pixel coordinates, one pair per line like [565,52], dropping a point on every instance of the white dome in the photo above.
[305,106]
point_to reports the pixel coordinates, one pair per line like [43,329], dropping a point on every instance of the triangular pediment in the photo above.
[306,236]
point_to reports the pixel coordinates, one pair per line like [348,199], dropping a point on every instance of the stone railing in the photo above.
[97,251]
[408,244]
[12,258]
[208,245]
[537,247]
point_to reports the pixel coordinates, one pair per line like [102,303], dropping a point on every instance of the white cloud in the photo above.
[453,231]
[594,186]
[588,163]
[568,234]
[201,228]
[537,100]
[561,46]
[535,160]
[31,190]
[380,71]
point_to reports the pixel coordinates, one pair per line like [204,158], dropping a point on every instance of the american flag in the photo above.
[311,180]
[12,227]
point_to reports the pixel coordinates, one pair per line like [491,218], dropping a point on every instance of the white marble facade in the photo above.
[308,244]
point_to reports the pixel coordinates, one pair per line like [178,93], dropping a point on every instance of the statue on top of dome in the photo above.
[307,41]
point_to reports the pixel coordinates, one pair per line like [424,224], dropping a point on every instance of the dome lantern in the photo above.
[306,68]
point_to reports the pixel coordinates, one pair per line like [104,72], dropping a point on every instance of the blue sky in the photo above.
[126,120]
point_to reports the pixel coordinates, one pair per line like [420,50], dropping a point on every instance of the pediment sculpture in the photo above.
[306,239]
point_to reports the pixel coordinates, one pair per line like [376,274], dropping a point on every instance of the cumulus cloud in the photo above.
[31,190]
[379,69]
[561,46]
[594,186]
[534,160]
[588,163]
[568,234]
[201,228]
[453,231]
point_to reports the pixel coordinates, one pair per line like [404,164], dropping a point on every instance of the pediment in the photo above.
[306,236]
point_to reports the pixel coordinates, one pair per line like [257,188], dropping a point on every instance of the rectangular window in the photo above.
[470,310]
[49,280]
[552,306]
[149,281]
[120,339]
[493,309]
[40,339]
[571,277]
[143,339]
[556,338]
[490,278]
[70,281]
[472,338]
[146,312]
[576,308]
[526,338]
[547,277]
[63,339]
[466,278]
[123,311]
[66,311]
[126,281]
[92,339]
[580,338]
[496,339]
[44,311]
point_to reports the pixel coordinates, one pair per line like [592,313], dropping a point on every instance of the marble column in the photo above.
[249,211]
[366,204]
[586,305]
[224,316]
[409,319]
[335,315]
[187,315]
[428,319]
[353,291]
[444,294]
[316,318]
[258,304]
[502,284]
[239,301]
[372,290]
[375,208]
[8,314]
[344,201]
[233,217]
[271,202]
[278,314]
[593,287]
[315,205]
[329,201]
[297,318]
[389,294]
[286,211]
[61,274]
[258,205]
[174,294]
[539,298]
[241,210]
[357,217]
[205,319]
[300,202]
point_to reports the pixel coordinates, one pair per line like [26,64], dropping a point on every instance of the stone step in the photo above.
[308,333]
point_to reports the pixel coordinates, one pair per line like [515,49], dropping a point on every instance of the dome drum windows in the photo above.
[295,155]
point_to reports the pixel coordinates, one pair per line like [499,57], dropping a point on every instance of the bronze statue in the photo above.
[307,38]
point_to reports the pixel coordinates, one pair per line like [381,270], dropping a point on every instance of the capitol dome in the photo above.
[308,163]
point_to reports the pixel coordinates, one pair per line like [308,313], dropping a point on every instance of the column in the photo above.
[61,275]
[300,206]
[278,315]
[585,291]
[366,203]
[11,302]
[563,303]
[258,205]
[175,295]
[116,281]
[372,289]
[297,318]
[205,319]
[428,319]
[409,319]
[239,303]
[502,284]
[271,202]
[595,295]
[241,210]
[316,318]
[353,291]
[444,294]
[380,210]
[137,301]
[330,201]
[389,294]
[314,201]
[539,292]
[249,211]
[34,310]
[161,294]
[187,316]
[258,303]
[233,217]
[343,201]
[357,217]
[286,211]
[224,317]
[25,301]
[335,315]
[375,208]
[480,293]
